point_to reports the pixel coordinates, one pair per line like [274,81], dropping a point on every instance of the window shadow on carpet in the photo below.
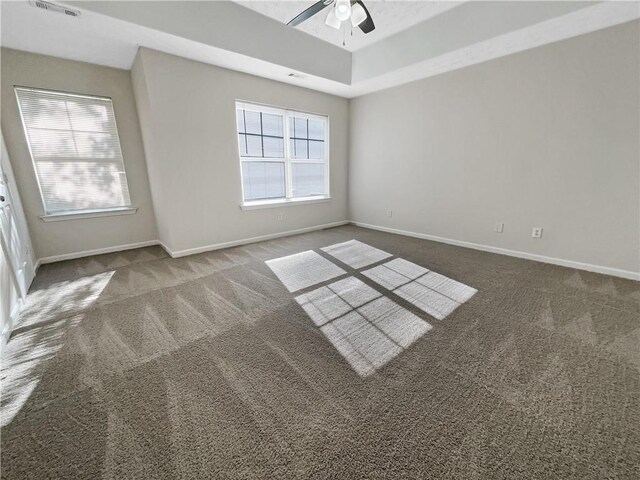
[367,327]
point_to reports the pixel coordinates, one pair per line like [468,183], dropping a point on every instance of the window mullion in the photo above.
[246,143]
[307,138]
[261,135]
[287,158]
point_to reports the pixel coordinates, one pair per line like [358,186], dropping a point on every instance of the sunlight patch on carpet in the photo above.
[356,254]
[303,270]
[328,303]
[63,298]
[431,292]
[24,362]
[365,327]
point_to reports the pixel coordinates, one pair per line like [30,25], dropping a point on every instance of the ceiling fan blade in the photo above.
[366,26]
[309,12]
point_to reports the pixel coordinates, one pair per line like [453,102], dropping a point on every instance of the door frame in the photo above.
[20,281]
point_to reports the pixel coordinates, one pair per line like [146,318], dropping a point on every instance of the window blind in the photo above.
[75,150]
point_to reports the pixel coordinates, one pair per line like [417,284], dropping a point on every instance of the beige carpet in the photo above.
[135,365]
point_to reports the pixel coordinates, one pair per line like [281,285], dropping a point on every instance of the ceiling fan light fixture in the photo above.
[343,10]
[338,11]
[358,15]
[332,20]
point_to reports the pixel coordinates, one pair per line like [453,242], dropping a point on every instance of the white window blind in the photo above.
[283,153]
[75,150]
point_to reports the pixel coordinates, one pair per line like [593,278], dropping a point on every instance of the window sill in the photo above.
[57,217]
[283,202]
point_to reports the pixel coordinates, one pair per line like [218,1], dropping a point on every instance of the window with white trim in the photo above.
[75,150]
[283,154]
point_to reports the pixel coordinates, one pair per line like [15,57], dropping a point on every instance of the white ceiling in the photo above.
[414,39]
[389,17]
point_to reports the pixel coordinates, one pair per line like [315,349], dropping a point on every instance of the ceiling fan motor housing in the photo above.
[339,11]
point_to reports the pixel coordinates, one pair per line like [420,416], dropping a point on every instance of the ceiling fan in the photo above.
[340,11]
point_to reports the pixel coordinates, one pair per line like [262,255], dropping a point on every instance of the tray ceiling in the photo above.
[389,16]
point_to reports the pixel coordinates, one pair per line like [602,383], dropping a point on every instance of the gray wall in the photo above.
[187,110]
[77,235]
[547,137]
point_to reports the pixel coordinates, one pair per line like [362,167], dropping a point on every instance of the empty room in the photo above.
[335,239]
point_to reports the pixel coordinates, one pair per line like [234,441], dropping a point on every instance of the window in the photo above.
[283,154]
[75,151]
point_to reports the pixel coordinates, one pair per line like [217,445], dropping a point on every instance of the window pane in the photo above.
[307,179]
[298,127]
[273,147]
[252,122]
[316,149]
[316,129]
[299,149]
[272,124]
[264,134]
[240,120]
[242,145]
[263,180]
[254,146]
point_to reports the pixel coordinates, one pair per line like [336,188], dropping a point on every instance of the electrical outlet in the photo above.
[537,232]
[499,228]
[280,216]
[389,213]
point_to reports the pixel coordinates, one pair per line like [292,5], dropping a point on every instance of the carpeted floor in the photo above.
[136,365]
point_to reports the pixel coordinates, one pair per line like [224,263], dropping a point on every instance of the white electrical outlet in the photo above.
[280,216]
[537,232]
[389,213]
[499,228]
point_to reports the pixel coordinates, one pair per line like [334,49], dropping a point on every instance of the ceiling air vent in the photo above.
[52,7]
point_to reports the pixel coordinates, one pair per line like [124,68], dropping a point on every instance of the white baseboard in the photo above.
[166,249]
[234,243]
[97,251]
[188,251]
[245,241]
[511,253]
